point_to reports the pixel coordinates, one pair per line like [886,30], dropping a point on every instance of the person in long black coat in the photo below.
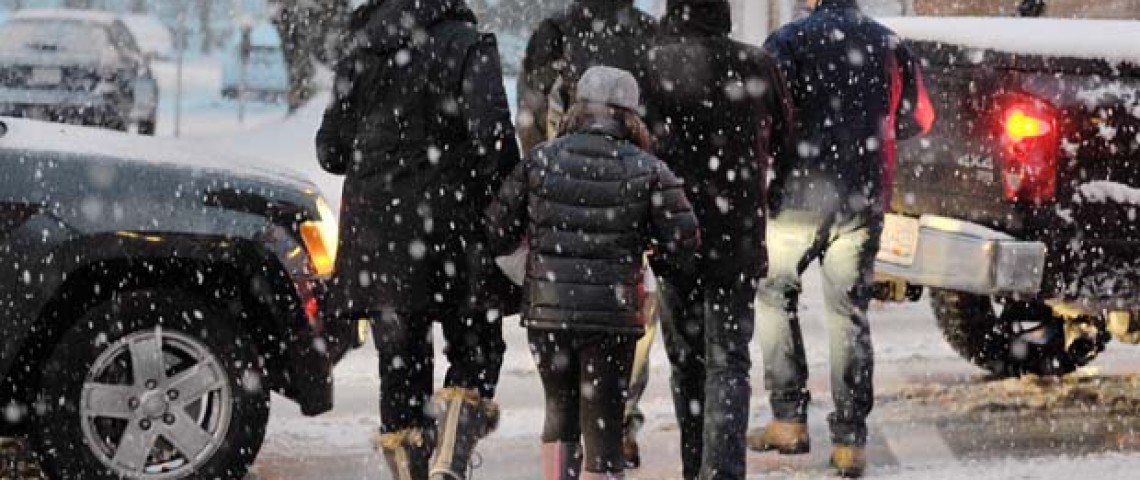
[719,111]
[420,126]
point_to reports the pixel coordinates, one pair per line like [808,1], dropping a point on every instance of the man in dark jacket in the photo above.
[855,90]
[718,109]
[612,33]
[419,124]
[587,33]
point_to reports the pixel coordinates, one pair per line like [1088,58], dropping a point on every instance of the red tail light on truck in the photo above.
[1030,148]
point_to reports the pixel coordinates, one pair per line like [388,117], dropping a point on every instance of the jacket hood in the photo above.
[697,17]
[385,25]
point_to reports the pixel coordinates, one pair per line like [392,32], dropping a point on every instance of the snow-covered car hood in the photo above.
[144,151]
[1115,41]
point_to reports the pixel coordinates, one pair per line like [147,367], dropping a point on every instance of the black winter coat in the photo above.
[420,125]
[588,33]
[856,88]
[589,205]
[719,111]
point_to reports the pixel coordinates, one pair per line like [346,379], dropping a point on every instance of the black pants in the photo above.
[586,379]
[707,328]
[474,351]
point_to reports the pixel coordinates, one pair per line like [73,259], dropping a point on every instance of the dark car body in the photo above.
[75,66]
[85,214]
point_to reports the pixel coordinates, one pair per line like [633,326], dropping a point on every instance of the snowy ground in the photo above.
[937,416]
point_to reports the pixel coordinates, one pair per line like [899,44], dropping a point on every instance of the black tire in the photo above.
[63,442]
[971,326]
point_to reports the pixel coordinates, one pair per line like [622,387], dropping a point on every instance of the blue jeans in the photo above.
[707,327]
[846,246]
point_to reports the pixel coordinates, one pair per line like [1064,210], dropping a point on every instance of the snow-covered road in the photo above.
[934,420]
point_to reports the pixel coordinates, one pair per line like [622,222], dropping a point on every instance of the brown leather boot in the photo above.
[787,438]
[849,461]
[406,452]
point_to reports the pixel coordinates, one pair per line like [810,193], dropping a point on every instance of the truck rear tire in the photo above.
[971,325]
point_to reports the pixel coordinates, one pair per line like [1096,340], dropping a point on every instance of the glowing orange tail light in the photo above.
[1020,126]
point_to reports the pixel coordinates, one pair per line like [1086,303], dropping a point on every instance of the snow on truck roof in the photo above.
[91,16]
[1116,41]
[36,136]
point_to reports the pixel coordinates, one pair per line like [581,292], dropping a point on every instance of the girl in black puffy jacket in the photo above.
[589,204]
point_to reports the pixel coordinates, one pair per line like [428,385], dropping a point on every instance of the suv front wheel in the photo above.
[151,385]
[1011,342]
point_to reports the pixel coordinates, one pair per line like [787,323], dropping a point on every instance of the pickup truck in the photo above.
[1019,211]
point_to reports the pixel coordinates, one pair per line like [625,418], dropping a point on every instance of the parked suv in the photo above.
[150,300]
[75,66]
[1019,210]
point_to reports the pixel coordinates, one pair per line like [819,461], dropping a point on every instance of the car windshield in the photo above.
[49,35]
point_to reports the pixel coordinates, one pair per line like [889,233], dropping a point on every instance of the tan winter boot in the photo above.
[406,452]
[849,461]
[463,418]
[787,438]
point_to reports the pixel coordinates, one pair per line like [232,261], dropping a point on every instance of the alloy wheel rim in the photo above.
[155,405]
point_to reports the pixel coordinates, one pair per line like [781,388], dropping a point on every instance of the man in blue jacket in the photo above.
[855,90]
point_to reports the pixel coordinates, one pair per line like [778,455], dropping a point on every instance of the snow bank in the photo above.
[1103,192]
[1111,40]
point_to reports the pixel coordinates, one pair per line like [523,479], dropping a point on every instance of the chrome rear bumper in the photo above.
[964,256]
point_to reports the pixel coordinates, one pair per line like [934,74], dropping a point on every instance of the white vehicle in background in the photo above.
[75,66]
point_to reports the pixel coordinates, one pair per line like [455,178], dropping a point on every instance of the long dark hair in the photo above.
[583,114]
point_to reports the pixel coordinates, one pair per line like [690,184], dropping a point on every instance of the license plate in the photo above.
[900,240]
[46,76]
